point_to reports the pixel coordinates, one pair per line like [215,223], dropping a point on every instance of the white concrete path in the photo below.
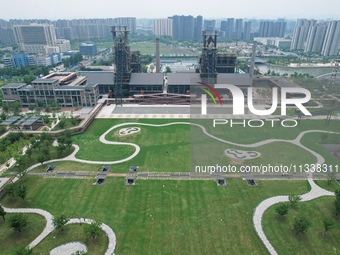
[314,193]
[49,227]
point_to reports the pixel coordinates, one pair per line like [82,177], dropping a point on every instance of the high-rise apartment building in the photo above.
[130,22]
[301,33]
[315,38]
[36,38]
[247,31]
[209,24]
[238,29]
[331,43]
[272,28]
[186,27]
[162,27]
[198,27]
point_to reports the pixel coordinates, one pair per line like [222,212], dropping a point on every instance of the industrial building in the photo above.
[127,83]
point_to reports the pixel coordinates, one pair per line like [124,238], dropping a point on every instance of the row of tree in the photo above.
[8,72]
[301,224]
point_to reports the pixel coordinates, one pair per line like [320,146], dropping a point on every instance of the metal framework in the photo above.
[334,73]
[122,62]
[209,57]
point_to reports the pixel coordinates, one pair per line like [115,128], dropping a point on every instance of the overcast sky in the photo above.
[266,9]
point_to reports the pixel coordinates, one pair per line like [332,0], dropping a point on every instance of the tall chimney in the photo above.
[158,61]
[252,65]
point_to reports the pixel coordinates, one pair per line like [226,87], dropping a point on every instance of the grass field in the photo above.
[72,233]
[285,241]
[167,149]
[164,217]
[11,241]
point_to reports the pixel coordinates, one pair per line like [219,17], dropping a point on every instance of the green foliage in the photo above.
[294,200]
[2,212]
[24,251]
[72,60]
[21,191]
[28,78]
[282,209]
[17,222]
[27,70]
[337,202]
[301,225]
[328,223]
[59,222]
[10,190]
[92,230]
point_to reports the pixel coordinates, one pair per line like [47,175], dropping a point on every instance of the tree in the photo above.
[17,222]
[168,69]
[41,158]
[21,191]
[10,190]
[92,230]
[62,123]
[29,78]
[282,209]
[2,212]
[328,224]
[294,200]
[301,225]
[59,222]
[337,202]
[24,251]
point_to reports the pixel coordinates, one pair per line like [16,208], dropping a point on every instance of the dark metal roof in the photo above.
[99,77]
[14,85]
[146,79]
[234,79]
[10,121]
[51,80]
[183,78]
[31,120]
[69,88]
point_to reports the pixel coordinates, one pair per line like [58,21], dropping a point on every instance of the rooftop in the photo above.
[183,78]
[99,77]
[234,79]
[146,79]
[14,85]
[40,80]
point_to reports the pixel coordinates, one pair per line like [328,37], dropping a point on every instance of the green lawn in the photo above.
[164,217]
[72,233]
[167,149]
[332,186]
[285,241]
[11,241]
[69,166]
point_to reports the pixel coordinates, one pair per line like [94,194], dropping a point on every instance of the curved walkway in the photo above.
[102,138]
[49,227]
[314,193]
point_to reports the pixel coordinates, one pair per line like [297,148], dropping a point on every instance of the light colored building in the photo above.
[35,38]
[278,42]
[300,33]
[162,27]
[64,45]
[331,43]
[315,38]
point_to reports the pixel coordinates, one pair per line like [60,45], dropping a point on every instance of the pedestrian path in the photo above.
[49,228]
[260,210]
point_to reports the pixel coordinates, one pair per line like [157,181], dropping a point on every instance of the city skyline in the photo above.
[262,9]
